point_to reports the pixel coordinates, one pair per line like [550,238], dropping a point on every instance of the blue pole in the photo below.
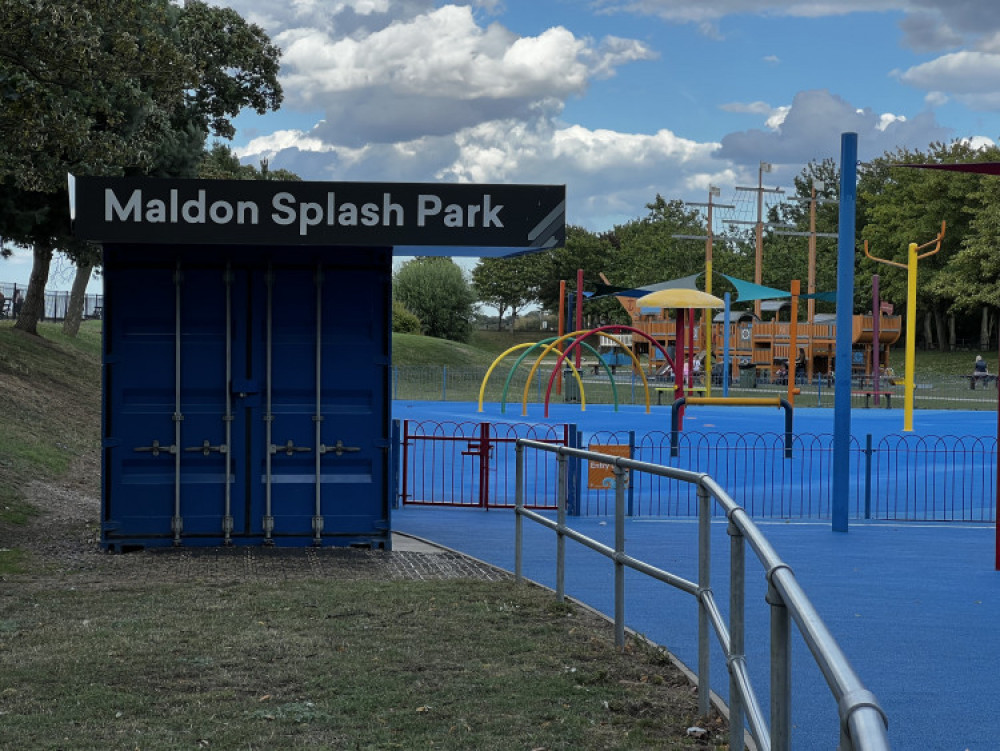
[725,346]
[845,310]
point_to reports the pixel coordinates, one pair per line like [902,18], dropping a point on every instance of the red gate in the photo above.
[473,464]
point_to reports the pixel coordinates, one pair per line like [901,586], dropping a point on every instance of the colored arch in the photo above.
[617,328]
[528,347]
[580,340]
[582,334]
[534,369]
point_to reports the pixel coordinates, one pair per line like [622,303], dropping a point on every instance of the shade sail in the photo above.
[680,298]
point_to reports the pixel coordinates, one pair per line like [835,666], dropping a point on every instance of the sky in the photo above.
[620,100]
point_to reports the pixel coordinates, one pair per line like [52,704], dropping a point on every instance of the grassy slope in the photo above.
[49,407]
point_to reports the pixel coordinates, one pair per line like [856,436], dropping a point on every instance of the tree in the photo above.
[435,291]
[902,206]
[114,87]
[507,283]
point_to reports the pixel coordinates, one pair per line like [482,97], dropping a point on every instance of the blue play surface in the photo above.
[915,607]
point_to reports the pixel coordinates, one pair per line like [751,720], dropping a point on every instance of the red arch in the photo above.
[615,327]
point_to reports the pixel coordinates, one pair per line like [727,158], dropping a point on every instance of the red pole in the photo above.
[562,326]
[679,361]
[579,309]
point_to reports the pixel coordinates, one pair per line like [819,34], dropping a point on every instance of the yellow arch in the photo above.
[550,347]
[482,387]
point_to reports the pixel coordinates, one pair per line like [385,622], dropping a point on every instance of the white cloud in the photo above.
[438,71]
[774,116]
[968,76]
[812,127]
[608,173]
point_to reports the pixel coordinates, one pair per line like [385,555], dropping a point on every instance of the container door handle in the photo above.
[290,448]
[156,448]
[207,448]
[339,449]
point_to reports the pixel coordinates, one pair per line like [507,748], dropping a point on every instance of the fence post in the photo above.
[444,383]
[737,631]
[704,587]
[484,465]
[781,670]
[573,474]
[868,476]
[620,475]
[631,485]
[561,526]
[518,508]
[404,450]
[394,458]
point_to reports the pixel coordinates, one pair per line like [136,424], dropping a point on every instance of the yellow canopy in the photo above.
[680,298]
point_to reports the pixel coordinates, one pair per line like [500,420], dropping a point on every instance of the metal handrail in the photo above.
[863,723]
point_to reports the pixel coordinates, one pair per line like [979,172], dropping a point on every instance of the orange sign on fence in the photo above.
[601,476]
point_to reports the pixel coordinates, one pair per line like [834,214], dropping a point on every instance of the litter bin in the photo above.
[748,375]
[571,389]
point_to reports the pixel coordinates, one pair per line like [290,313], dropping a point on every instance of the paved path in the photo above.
[916,608]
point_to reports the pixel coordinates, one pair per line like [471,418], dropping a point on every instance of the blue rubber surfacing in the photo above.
[914,606]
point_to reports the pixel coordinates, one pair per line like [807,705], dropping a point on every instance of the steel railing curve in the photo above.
[863,723]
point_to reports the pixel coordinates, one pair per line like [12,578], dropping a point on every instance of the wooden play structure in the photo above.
[763,345]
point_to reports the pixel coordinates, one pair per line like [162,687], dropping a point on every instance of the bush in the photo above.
[403,321]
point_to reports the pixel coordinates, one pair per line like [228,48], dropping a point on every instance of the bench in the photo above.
[660,390]
[985,378]
[869,394]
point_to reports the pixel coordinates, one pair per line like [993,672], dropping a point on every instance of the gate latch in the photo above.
[289,448]
[156,448]
[339,449]
[207,448]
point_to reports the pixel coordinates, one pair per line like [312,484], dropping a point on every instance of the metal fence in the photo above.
[863,722]
[899,477]
[56,303]
[470,464]
[451,383]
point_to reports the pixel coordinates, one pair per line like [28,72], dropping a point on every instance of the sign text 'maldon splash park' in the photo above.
[315,213]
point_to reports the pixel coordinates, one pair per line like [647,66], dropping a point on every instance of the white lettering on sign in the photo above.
[308,214]
[455,215]
[172,211]
[288,210]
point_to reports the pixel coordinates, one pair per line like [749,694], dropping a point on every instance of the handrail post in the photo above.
[518,508]
[737,632]
[781,671]
[620,481]
[704,586]
[561,521]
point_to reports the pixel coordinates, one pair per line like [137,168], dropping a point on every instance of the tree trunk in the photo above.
[984,328]
[77,298]
[928,331]
[951,332]
[942,331]
[33,309]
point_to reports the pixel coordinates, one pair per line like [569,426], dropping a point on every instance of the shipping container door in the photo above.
[325,406]
[166,460]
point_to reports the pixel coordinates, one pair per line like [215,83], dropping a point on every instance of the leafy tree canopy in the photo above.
[436,292]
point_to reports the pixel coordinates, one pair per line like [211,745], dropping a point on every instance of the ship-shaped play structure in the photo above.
[759,347]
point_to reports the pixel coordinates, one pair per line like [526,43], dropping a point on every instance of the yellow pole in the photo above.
[911,337]
[706,320]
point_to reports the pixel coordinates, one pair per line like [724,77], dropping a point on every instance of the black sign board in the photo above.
[264,212]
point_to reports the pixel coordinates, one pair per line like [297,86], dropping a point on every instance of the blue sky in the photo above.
[617,99]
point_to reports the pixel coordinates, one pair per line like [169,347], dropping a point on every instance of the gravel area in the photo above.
[63,542]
